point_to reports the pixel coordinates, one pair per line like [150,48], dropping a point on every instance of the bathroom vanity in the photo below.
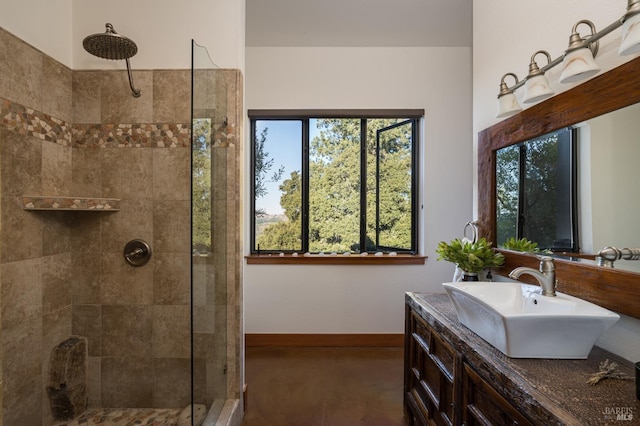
[453,377]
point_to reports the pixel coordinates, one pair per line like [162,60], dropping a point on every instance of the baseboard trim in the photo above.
[318,340]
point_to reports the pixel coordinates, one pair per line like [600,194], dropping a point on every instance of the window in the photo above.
[331,182]
[536,191]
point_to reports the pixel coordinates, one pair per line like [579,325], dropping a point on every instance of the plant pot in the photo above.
[469,276]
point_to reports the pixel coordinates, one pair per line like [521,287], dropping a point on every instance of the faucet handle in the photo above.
[546,264]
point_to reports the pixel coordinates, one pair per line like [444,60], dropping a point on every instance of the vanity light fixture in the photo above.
[507,102]
[536,86]
[577,61]
[631,29]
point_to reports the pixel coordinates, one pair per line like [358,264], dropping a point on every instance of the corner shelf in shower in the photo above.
[56,203]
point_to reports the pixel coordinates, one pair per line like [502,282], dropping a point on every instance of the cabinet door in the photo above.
[430,367]
[483,405]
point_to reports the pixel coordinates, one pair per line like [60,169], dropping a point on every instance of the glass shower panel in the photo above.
[208,233]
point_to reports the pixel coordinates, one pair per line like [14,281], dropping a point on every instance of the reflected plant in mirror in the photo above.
[523,245]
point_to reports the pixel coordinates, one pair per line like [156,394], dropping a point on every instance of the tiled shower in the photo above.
[72,136]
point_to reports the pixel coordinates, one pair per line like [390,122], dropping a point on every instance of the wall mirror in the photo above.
[614,90]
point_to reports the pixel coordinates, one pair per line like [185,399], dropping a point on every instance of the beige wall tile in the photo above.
[85,260]
[94,387]
[123,284]
[126,331]
[21,355]
[172,174]
[200,383]
[87,322]
[56,274]
[127,382]
[171,96]
[204,319]
[203,345]
[25,404]
[172,382]
[56,232]
[171,332]
[126,173]
[56,169]
[21,71]
[202,275]
[133,221]
[118,104]
[87,97]
[171,279]
[20,164]
[171,226]
[86,173]
[57,89]
[85,281]
[21,292]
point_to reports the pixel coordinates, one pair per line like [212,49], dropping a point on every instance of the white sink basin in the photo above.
[521,323]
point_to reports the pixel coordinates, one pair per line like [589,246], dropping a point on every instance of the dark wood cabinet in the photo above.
[483,405]
[442,389]
[453,377]
[431,366]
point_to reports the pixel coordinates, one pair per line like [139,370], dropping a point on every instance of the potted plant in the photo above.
[470,257]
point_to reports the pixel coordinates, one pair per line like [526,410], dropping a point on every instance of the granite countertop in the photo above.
[549,391]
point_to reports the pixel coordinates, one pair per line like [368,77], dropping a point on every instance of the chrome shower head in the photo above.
[110,45]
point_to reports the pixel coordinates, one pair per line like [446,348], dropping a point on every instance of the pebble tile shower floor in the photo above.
[126,417]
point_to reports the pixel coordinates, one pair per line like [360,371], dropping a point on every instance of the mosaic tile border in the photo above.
[69,203]
[160,135]
[27,121]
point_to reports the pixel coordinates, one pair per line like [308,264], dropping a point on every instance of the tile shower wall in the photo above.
[81,133]
[35,247]
[137,320]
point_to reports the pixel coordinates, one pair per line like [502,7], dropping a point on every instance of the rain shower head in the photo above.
[111,45]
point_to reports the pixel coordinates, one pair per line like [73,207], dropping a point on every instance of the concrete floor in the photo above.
[324,386]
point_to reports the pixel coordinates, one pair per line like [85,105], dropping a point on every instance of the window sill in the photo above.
[315,259]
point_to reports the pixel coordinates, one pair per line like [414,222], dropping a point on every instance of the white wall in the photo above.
[365,299]
[162,30]
[505,35]
[44,24]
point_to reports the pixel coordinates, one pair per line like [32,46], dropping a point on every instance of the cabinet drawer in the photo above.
[421,331]
[441,352]
[431,363]
[483,405]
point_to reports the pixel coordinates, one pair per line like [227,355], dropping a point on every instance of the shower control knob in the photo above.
[137,252]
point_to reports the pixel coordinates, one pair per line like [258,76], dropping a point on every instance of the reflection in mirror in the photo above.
[603,212]
[610,199]
[613,288]
[536,192]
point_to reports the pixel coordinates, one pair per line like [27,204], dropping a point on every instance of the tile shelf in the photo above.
[56,203]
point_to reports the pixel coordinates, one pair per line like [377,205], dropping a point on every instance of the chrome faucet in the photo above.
[546,276]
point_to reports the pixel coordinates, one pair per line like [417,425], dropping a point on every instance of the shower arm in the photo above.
[135,92]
